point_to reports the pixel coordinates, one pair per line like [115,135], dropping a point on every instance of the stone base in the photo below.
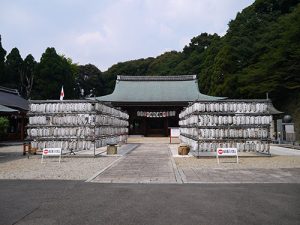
[112,150]
[183,150]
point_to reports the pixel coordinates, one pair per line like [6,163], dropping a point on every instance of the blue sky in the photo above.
[105,32]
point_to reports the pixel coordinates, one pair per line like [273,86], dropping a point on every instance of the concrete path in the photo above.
[276,150]
[78,203]
[148,163]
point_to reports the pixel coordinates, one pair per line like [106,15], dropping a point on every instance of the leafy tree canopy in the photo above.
[53,72]
[27,76]
[89,81]
[2,61]
[13,65]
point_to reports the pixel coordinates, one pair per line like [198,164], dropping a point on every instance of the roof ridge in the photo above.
[157,78]
[9,90]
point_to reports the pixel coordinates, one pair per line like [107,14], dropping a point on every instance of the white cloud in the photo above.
[15,16]
[90,38]
[165,31]
[107,32]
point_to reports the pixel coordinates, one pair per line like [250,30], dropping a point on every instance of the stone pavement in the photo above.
[278,150]
[148,163]
[224,175]
[154,163]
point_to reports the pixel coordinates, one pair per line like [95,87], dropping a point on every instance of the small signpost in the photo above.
[227,152]
[51,152]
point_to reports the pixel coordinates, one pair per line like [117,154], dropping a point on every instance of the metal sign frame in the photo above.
[51,152]
[227,152]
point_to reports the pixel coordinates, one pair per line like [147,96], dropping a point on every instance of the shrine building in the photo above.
[154,102]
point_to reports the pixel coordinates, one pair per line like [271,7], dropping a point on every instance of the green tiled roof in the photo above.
[157,89]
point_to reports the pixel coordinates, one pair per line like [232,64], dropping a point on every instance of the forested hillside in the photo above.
[259,54]
[261,46]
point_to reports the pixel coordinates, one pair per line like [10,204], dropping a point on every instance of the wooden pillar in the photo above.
[145,126]
[166,126]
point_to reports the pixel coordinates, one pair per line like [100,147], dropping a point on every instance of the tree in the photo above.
[4,124]
[139,67]
[164,64]
[2,62]
[53,72]
[89,79]
[27,76]
[13,66]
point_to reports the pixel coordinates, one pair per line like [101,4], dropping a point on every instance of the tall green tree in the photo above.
[53,72]
[13,66]
[89,81]
[139,67]
[260,47]
[164,64]
[27,76]
[2,62]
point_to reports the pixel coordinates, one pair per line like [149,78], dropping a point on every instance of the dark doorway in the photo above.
[136,126]
[156,126]
[156,123]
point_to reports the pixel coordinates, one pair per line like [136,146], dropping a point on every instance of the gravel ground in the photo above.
[244,162]
[13,165]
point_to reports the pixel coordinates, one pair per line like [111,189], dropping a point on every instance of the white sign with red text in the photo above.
[227,152]
[174,132]
[51,152]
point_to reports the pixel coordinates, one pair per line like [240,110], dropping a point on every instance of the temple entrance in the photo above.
[156,127]
[152,121]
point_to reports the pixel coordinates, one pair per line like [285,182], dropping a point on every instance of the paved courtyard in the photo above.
[154,163]
[152,160]
[148,163]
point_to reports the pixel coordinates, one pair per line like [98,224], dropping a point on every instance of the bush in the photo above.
[4,123]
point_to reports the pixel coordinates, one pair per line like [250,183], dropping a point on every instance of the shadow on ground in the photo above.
[70,202]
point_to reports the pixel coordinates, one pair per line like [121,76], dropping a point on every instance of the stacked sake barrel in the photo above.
[242,124]
[75,125]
